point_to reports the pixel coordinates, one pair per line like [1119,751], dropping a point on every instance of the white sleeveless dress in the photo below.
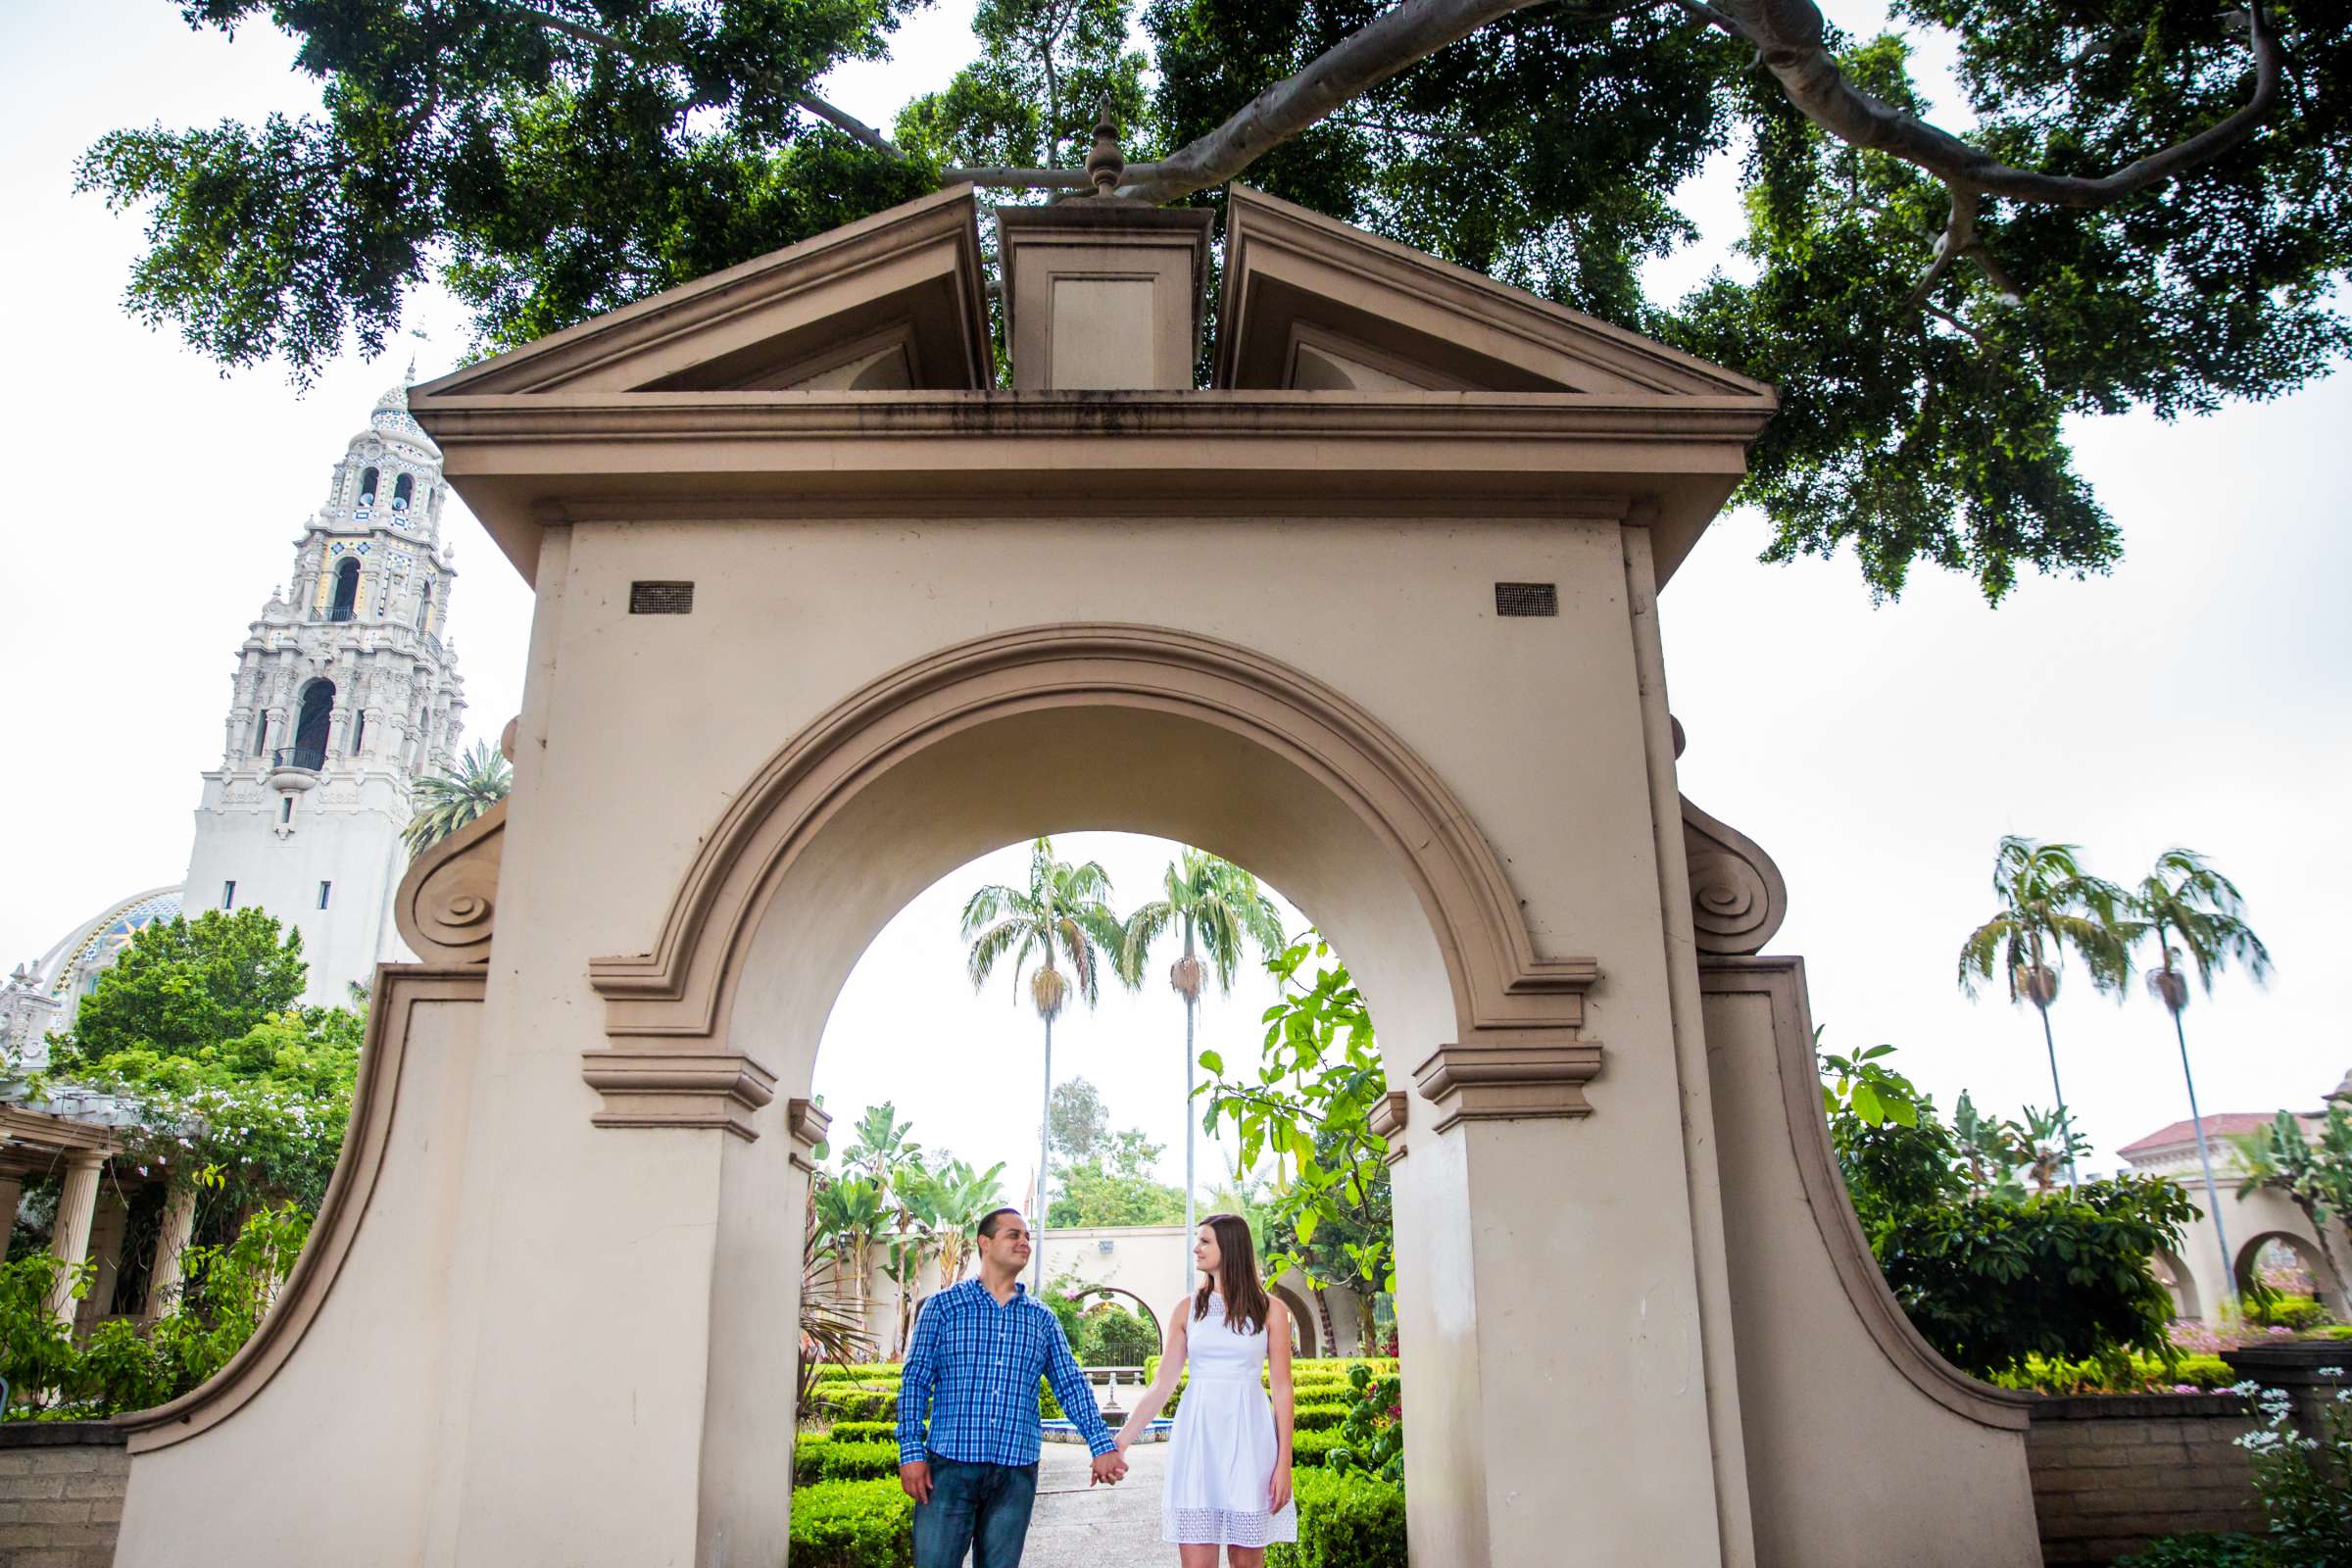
[1221,1454]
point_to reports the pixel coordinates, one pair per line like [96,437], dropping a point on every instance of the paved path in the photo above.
[1076,1526]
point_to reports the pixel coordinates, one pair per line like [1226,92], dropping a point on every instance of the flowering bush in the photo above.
[2304,1482]
[1372,1434]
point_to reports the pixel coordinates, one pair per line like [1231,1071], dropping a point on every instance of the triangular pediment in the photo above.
[1311,304]
[895,301]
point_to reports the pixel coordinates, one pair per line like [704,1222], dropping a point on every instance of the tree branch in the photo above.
[648,55]
[1787,37]
[1400,36]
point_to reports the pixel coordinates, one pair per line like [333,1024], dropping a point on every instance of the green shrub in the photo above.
[1317,1417]
[818,1458]
[1344,1521]
[1122,1339]
[2201,1552]
[849,1403]
[858,1372]
[853,1524]
[1309,1447]
[863,1432]
[2138,1374]
[1049,1408]
[2276,1309]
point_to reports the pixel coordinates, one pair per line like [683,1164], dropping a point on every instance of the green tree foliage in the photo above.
[1307,1110]
[127,1366]
[447,802]
[1990,1280]
[184,986]
[543,162]
[1076,1120]
[2144,208]
[1114,1186]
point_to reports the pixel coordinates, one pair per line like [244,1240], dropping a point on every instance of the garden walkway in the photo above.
[1102,1527]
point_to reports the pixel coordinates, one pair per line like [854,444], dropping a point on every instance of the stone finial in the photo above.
[1105,162]
[2341,1094]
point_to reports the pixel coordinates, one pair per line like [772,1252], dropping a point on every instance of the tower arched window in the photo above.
[367,488]
[310,731]
[260,732]
[347,590]
[425,606]
[359,732]
[403,488]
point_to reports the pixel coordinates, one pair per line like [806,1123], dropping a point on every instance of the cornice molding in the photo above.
[808,1122]
[1508,1082]
[1388,1117]
[448,901]
[673,1089]
[399,988]
[1503,989]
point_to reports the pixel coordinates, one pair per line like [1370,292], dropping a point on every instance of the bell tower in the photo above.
[345,694]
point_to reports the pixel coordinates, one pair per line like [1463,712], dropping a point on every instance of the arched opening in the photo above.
[358,732]
[345,603]
[1146,764]
[2180,1285]
[402,489]
[424,607]
[2291,1267]
[309,729]
[366,488]
[261,733]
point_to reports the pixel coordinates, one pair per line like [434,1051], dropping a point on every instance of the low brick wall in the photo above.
[2112,1472]
[61,1492]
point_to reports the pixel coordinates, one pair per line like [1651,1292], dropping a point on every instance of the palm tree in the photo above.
[960,1196]
[1065,910]
[828,1330]
[2185,901]
[1221,910]
[447,801]
[879,1146]
[850,1214]
[2050,905]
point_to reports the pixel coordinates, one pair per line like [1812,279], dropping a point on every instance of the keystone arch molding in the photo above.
[1516,1050]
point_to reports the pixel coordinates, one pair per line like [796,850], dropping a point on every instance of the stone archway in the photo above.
[1302,1318]
[2306,1253]
[2179,1283]
[1397,649]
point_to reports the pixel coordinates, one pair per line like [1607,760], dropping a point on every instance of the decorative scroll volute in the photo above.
[1388,1117]
[1737,900]
[446,903]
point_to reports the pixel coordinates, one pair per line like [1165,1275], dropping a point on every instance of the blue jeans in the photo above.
[979,1508]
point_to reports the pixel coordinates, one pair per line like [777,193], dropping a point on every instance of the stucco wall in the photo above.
[2112,1472]
[61,1494]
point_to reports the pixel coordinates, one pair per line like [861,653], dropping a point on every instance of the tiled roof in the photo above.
[2223,1125]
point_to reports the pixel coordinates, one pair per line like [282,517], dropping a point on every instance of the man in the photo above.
[979,1348]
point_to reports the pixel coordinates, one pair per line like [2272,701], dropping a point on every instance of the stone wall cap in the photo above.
[63,1435]
[2136,1406]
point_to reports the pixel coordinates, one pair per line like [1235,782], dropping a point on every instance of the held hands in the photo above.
[1109,1469]
[915,1478]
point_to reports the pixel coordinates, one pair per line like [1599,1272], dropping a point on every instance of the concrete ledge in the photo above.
[2138,1407]
[62,1435]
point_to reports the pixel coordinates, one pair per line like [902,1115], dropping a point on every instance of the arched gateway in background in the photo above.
[821,616]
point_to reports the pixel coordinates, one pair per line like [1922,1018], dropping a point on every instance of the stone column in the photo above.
[171,1245]
[69,1239]
[106,1251]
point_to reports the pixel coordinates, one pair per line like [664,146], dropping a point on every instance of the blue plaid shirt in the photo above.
[975,1367]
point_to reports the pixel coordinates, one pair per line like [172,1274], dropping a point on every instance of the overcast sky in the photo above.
[2198,695]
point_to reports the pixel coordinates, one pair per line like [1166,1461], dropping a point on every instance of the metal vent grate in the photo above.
[1527,599]
[661,599]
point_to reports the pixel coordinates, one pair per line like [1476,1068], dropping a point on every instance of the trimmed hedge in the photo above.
[1312,1447]
[858,1372]
[1346,1520]
[1317,1417]
[853,1524]
[865,1432]
[2145,1373]
[858,1405]
[818,1458]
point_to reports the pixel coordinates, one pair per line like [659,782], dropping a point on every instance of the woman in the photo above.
[1229,1465]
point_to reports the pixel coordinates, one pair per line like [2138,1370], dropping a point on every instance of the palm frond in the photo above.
[447,801]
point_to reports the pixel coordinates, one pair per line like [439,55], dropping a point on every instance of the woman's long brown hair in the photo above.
[1246,1305]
